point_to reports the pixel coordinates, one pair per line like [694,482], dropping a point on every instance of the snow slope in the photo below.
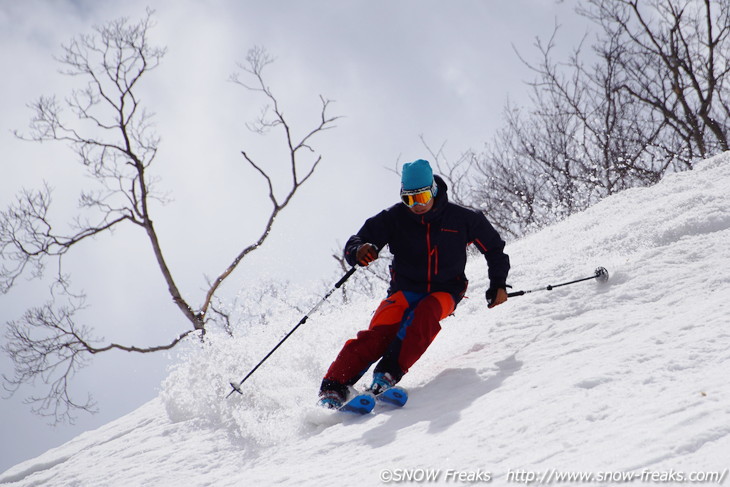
[624,378]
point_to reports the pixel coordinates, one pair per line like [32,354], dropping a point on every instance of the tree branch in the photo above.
[115,142]
[257,60]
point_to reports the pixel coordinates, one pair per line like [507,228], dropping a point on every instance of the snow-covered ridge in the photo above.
[630,376]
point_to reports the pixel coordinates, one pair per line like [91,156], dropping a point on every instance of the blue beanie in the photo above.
[416,175]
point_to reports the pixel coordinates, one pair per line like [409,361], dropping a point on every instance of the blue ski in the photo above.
[362,403]
[395,396]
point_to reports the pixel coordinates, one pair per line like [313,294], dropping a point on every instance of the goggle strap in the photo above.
[432,188]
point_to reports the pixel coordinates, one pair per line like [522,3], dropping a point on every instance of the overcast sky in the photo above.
[396,71]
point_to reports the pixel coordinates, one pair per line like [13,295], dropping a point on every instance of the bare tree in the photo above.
[650,97]
[676,64]
[580,141]
[115,142]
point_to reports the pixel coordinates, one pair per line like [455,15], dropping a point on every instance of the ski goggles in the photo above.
[420,196]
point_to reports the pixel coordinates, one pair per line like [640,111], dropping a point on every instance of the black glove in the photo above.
[494,297]
[366,253]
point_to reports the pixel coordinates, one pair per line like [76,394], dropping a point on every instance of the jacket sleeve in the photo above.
[489,243]
[374,231]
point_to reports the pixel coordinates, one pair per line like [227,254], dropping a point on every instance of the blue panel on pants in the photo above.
[413,300]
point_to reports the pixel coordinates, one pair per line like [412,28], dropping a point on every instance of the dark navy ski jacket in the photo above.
[430,250]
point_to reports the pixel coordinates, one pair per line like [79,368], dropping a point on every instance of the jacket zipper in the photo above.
[432,256]
[428,255]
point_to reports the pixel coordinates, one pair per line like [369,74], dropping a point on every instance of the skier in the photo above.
[428,237]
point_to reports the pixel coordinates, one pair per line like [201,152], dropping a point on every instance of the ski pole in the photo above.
[601,274]
[237,387]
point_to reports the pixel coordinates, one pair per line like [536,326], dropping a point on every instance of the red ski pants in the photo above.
[403,327]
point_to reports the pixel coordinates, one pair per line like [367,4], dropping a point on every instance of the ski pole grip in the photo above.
[345,277]
[516,293]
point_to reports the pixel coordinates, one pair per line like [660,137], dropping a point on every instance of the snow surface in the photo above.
[628,376]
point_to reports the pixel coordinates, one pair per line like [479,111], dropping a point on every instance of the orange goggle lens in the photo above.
[420,198]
